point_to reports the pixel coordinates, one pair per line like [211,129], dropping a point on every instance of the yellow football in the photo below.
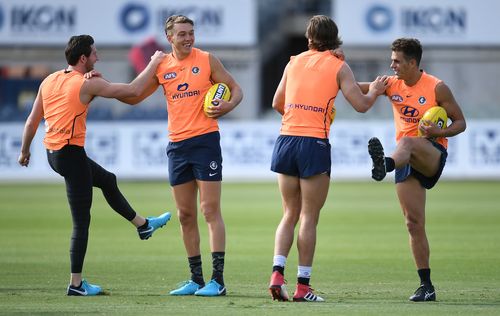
[436,115]
[217,91]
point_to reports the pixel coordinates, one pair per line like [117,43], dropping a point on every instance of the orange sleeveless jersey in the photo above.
[65,116]
[185,83]
[310,91]
[410,103]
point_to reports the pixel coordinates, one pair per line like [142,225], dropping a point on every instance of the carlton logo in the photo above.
[396,98]
[409,111]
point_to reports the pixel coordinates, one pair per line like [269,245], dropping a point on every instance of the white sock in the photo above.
[304,272]
[279,260]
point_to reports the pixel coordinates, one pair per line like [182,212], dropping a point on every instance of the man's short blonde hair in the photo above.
[176,19]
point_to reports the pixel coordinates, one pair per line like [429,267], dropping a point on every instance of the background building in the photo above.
[254,39]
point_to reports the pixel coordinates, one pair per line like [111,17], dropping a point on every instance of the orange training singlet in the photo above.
[65,115]
[410,103]
[311,88]
[185,83]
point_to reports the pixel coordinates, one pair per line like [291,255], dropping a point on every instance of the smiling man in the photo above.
[417,161]
[194,152]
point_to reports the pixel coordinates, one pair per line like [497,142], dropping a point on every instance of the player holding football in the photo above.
[417,161]
[63,101]
[194,152]
[305,97]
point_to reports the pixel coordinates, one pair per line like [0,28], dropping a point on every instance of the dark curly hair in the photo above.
[410,47]
[77,46]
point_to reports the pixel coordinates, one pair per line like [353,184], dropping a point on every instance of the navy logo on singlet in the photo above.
[409,111]
[396,98]
[183,86]
[170,75]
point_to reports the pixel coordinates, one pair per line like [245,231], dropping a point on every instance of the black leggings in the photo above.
[81,174]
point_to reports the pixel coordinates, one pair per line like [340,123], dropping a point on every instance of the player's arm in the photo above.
[364,87]
[138,88]
[151,87]
[30,129]
[353,93]
[279,95]
[445,99]
[219,74]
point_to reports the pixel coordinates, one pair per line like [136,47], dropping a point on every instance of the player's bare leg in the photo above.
[314,191]
[186,203]
[412,198]
[291,199]
[419,153]
[210,195]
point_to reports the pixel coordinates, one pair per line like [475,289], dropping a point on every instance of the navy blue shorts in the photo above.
[198,157]
[302,157]
[427,182]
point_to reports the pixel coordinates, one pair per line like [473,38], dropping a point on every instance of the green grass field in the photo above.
[362,264]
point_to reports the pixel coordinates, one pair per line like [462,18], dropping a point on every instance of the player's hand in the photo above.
[92,73]
[216,111]
[24,159]
[379,84]
[338,52]
[158,56]
[429,129]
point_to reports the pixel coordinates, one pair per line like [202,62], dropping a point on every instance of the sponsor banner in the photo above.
[445,22]
[124,22]
[138,150]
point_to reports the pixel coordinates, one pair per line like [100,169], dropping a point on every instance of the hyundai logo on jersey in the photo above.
[183,86]
[409,111]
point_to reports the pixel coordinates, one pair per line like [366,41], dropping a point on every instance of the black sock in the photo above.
[218,267]
[425,276]
[279,269]
[145,225]
[196,270]
[304,281]
[389,164]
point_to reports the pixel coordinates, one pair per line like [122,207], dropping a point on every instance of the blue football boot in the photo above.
[153,224]
[211,289]
[186,288]
[85,289]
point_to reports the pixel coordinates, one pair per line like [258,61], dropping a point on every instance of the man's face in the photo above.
[91,60]
[182,38]
[400,65]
